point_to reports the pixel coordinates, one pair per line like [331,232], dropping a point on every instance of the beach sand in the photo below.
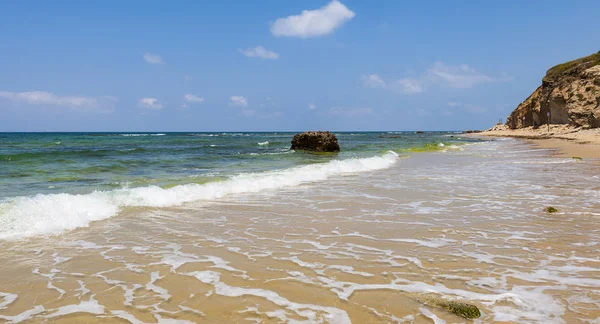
[565,140]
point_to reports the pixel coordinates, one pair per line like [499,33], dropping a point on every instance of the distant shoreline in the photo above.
[568,141]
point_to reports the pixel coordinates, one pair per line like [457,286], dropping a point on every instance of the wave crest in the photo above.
[55,213]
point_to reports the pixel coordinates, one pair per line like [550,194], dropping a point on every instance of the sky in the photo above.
[280,65]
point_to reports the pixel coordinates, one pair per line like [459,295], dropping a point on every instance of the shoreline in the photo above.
[567,141]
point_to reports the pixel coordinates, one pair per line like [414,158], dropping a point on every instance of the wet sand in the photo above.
[467,225]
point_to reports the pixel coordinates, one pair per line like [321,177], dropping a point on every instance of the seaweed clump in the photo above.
[461,309]
[550,210]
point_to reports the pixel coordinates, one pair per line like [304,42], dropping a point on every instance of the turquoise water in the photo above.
[78,163]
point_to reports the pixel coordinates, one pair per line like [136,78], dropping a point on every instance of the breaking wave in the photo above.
[55,213]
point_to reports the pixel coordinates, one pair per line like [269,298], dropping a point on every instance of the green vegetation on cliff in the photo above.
[580,63]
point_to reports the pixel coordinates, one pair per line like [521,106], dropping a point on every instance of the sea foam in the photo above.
[55,213]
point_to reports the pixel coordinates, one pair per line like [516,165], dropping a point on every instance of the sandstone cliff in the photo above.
[570,92]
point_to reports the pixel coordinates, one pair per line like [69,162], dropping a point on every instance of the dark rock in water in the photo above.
[419,132]
[315,141]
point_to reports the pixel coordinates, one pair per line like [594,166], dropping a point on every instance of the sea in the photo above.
[235,227]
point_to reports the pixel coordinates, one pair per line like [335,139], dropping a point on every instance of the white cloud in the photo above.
[461,76]
[191,98]
[151,103]
[238,101]
[312,106]
[313,23]
[47,98]
[406,85]
[153,58]
[373,81]
[242,103]
[260,52]
[350,112]
[50,99]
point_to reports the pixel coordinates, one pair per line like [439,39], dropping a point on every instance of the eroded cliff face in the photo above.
[527,113]
[570,93]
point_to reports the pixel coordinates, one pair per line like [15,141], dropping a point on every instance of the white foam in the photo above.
[314,313]
[24,316]
[8,299]
[162,292]
[91,306]
[126,316]
[263,143]
[161,320]
[54,213]
[432,243]
[427,313]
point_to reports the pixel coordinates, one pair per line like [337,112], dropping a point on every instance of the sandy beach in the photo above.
[565,140]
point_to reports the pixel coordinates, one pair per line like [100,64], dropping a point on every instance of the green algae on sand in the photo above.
[459,308]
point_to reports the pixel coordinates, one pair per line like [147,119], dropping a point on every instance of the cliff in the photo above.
[570,92]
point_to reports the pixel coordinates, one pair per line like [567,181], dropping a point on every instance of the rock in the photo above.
[315,141]
[498,127]
[570,92]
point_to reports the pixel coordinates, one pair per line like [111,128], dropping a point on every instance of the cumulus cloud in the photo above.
[242,103]
[153,58]
[461,76]
[151,103]
[312,106]
[50,99]
[192,98]
[260,52]
[238,101]
[350,112]
[313,23]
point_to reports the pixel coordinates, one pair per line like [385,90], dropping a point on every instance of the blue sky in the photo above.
[279,65]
